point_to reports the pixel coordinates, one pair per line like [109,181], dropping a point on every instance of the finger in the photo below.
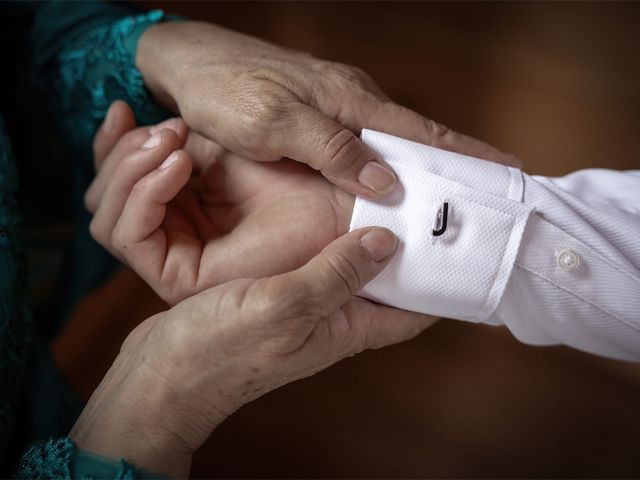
[130,170]
[394,119]
[125,146]
[327,146]
[135,139]
[136,235]
[119,120]
[376,326]
[337,273]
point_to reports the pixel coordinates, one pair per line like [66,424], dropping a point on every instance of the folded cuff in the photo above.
[462,273]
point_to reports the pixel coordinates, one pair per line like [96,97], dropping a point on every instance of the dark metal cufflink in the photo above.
[440,224]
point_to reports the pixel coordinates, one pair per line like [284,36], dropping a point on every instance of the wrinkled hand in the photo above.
[233,218]
[265,102]
[182,372]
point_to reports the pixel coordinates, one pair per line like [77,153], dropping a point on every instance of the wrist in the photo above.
[125,419]
[156,64]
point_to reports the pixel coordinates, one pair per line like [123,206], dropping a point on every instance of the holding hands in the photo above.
[269,302]
[188,215]
[182,372]
[265,102]
[253,254]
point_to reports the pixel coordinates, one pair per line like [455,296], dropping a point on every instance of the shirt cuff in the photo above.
[462,273]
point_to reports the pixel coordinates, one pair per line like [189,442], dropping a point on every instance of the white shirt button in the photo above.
[568,259]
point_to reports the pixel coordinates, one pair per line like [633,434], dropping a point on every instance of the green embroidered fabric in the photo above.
[98,68]
[84,56]
[58,459]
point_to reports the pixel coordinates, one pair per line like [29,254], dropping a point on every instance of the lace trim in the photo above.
[51,459]
[55,458]
[98,68]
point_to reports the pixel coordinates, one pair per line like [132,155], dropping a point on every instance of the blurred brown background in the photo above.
[556,84]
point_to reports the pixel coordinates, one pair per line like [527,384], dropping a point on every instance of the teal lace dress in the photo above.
[81,57]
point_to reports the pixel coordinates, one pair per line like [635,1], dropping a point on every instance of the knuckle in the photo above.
[142,187]
[436,132]
[260,115]
[442,131]
[127,163]
[342,268]
[340,152]
[118,239]
[257,121]
[259,98]
[285,300]
[255,300]
[132,140]
[351,78]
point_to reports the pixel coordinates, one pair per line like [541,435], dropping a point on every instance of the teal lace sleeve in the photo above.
[98,67]
[84,58]
[58,459]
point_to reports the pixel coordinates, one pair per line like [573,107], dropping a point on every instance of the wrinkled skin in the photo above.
[266,102]
[182,372]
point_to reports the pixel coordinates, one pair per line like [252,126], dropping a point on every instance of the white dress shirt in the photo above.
[556,260]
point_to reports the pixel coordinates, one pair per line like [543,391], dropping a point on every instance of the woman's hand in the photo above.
[233,218]
[182,372]
[265,102]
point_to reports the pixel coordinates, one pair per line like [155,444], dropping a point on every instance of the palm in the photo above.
[237,218]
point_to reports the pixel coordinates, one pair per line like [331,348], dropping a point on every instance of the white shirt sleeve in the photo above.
[556,260]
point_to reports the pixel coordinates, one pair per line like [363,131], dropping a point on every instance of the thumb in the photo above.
[327,146]
[340,271]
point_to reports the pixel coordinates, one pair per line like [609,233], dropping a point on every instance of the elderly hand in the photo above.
[182,372]
[233,218]
[265,102]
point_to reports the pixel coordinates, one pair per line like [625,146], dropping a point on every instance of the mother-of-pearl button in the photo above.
[568,259]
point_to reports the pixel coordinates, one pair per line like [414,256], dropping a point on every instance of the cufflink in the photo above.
[440,223]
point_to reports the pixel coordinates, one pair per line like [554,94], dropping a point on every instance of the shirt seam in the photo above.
[578,296]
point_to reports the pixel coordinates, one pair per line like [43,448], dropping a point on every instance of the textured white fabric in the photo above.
[497,262]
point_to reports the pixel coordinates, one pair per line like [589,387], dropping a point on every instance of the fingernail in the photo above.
[377,177]
[379,242]
[110,120]
[170,160]
[152,142]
